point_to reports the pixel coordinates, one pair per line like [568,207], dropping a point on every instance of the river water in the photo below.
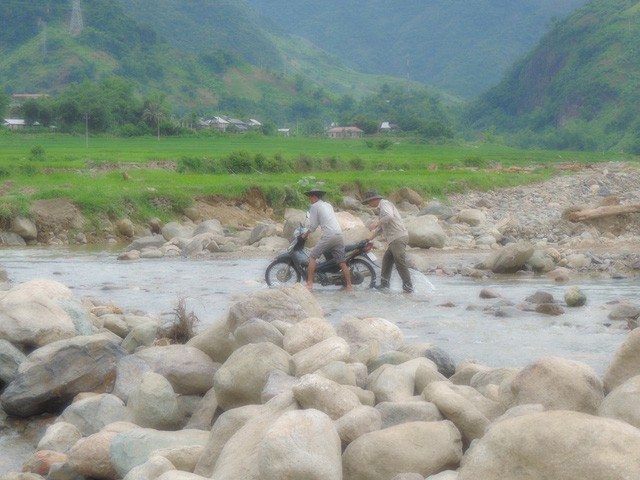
[445,310]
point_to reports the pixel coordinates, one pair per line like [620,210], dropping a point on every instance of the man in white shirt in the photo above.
[321,215]
[390,223]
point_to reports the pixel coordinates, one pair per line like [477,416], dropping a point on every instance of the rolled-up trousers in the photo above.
[396,254]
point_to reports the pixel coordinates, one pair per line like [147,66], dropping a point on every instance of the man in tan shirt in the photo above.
[390,223]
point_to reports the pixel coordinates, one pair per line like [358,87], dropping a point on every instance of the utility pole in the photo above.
[407,72]
[43,24]
[76,25]
[86,130]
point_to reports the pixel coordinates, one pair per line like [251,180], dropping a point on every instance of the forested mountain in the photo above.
[100,65]
[459,46]
[197,53]
[201,26]
[205,25]
[579,88]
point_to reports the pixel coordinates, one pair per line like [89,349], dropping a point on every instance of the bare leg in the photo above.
[311,271]
[347,276]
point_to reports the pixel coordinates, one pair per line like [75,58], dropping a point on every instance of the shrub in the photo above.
[184,325]
[475,161]
[305,163]
[28,170]
[37,153]
[356,163]
[271,165]
[239,162]
[384,144]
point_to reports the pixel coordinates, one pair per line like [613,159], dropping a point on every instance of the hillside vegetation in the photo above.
[197,56]
[578,89]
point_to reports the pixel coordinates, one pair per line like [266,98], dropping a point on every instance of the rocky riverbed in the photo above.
[273,390]
[519,229]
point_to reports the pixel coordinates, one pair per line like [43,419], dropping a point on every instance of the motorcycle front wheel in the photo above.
[281,273]
[363,274]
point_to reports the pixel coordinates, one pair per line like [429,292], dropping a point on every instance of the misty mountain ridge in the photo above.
[457,46]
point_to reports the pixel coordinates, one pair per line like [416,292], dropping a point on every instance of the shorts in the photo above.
[330,247]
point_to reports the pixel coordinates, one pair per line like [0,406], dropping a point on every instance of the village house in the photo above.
[225,123]
[254,124]
[14,123]
[344,132]
[218,123]
[238,125]
[386,127]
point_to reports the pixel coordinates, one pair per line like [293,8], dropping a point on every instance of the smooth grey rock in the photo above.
[50,377]
[553,444]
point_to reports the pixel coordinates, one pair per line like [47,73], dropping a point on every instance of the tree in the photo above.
[4,103]
[154,111]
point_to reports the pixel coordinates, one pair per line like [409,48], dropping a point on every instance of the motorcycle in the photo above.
[291,266]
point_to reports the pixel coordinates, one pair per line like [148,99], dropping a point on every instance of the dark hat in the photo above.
[319,193]
[371,195]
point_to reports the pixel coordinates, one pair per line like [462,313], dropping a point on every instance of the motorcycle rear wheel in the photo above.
[281,273]
[363,275]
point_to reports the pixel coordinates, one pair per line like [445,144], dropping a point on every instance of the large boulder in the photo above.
[392,383]
[327,396]
[469,420]
[425,232]
[39,312]
[133,447]
[471,216]
[623,402]
[395,413]
[417,447]
[319,355]
[227,424]
[59,437]
[306,333]
[557,384]
[240,380]
[241,455]
[189,370]
[153,404]
[373,334]
[353,228]
[300,444]
[142,243]
[10,359]
[50,377]
[91,456]
[217,340]
[176,230]
[94,412]
[555,445]
[290,304]
[256,330]
[357,422]
[445,364]
[508,259]
[24,227]
[625,362]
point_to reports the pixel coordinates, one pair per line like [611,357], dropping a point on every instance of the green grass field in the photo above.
[67,148]
[89,171]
